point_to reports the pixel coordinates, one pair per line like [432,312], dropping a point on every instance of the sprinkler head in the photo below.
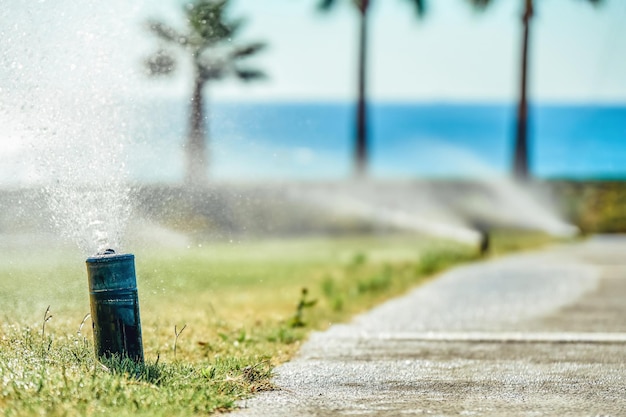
[114,306]
[484,243]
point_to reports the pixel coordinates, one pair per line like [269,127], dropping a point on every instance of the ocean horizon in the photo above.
[278,141]
[314,140]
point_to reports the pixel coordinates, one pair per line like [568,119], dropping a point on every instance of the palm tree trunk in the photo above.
[361,145]
[196,145]
[520,168]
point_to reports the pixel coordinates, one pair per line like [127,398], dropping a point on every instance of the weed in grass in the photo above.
[46,317]
[79,332]
[298,320]
[176,335]
[46,345]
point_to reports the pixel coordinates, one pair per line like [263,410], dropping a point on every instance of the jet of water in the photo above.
[61,90]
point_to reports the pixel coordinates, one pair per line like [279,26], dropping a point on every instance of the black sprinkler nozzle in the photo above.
[115,306]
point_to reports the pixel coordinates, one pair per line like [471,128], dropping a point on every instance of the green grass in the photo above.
[244,307]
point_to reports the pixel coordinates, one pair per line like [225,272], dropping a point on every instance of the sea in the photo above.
[315,140]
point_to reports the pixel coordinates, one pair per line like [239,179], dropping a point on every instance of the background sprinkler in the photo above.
[484,243]
[114,306]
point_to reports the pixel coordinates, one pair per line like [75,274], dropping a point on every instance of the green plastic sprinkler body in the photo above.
[114,306]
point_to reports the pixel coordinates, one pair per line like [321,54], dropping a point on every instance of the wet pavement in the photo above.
[535,334]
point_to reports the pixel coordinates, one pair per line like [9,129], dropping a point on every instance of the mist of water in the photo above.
[459,210]
[87,193]
[499,199]
[60,98]
[402,205]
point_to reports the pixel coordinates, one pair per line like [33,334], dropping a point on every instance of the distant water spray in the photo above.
[498,199]
[402,205]
[460,210]
[63,78]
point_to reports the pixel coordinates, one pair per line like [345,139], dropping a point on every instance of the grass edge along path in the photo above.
[209,341]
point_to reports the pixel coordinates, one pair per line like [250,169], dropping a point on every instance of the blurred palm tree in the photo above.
[207,40]
[363,7]
[520,162]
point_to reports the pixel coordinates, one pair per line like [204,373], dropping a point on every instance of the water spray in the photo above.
[114,306]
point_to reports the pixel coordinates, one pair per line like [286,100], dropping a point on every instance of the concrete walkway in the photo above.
[528,335]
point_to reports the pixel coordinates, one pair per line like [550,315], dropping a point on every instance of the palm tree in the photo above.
[207,41]
[363,7]
[520,159]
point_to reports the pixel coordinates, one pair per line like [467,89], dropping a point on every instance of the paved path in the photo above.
[528,335]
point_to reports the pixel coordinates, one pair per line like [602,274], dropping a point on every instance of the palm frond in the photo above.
[207,21]
[210,41]
[160,63]
[247,50]
[235,25]
[325,5]
[247,74]
[167,33]
[481,4]
[420,7]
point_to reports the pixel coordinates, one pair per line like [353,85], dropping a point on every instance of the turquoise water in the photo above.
[314,141]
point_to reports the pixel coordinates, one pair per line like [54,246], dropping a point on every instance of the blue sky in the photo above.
[455,53]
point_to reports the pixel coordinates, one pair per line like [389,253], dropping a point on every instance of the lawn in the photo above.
[216,318]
